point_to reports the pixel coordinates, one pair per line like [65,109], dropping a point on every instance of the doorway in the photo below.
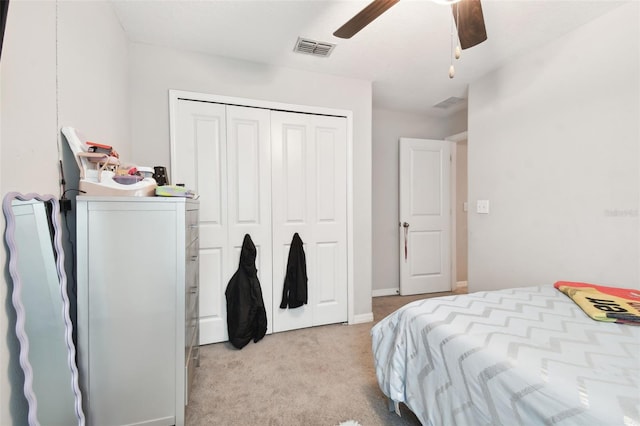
[425,216]
[460,211]
[440,262]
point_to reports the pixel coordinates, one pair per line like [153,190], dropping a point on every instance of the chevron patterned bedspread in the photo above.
[523,356]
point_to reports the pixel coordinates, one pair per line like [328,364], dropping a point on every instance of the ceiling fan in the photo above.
[466,13]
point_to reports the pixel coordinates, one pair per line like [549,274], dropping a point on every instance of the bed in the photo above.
[527,356]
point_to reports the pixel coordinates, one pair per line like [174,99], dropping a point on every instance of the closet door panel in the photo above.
[309,197]
[326,179]
[294,140]
[246,167]
[249,191]
[213,309]
[327,272]
[199,160]
[330,221]
[292,191]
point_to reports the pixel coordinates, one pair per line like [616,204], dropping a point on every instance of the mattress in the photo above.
[526,356]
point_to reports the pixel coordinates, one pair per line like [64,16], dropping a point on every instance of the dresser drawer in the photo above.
[190,335]
[191,268]
[191,315]
[191,312]
[193,361]
[191,223]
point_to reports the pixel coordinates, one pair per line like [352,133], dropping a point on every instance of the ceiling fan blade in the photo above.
[470,22]
[364,18]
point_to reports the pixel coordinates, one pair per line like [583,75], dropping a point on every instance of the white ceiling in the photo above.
[406,52]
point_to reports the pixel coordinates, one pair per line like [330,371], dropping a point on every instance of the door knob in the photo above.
[405,225]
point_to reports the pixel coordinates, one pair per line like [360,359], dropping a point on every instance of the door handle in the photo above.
[405,225]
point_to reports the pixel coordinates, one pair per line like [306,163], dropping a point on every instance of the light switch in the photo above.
[482,206]
[465,206]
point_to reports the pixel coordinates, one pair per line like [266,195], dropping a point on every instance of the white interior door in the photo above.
[249,193]
[425,216]
[309,197]
[199,160]
[223,153]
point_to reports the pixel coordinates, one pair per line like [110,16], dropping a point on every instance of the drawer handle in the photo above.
[194,258]
[193,289]
[193,226]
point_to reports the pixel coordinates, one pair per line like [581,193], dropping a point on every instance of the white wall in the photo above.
[28,153]
[388,127]
[462,249]
[94,74]
[553,144]
[91,82]
[155,70]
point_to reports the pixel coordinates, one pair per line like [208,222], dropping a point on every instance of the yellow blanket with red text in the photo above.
[609,304]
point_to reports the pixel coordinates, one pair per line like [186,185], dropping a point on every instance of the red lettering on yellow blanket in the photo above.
[611,308]
[606,305]
[609,304]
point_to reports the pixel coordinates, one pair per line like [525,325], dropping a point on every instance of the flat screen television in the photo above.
[4,7]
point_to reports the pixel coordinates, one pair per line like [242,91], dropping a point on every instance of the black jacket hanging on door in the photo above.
[294,293]
[246,315]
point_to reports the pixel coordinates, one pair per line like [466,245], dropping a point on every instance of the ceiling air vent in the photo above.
[312,47]
[450,102]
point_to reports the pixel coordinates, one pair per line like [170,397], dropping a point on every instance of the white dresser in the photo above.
[137,295]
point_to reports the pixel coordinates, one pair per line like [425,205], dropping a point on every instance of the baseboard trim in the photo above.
[362,318]
[381,292]
[385,292]
[461,285]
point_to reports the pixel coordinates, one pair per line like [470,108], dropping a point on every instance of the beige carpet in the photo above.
[314,376]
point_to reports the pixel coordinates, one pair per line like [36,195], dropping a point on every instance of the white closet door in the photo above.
[198,159]
[249,196]
[223,152]
[309,197]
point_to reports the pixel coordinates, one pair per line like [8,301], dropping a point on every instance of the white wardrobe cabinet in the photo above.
[267,173]
[137,295]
